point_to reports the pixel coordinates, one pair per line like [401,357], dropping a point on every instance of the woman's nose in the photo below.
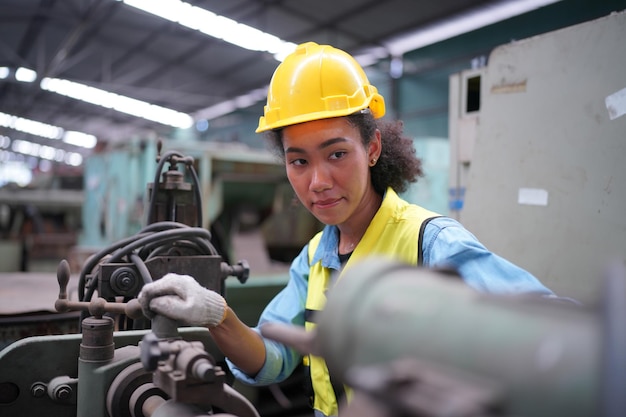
[320,179]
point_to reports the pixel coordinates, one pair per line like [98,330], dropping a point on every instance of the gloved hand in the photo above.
[182,298]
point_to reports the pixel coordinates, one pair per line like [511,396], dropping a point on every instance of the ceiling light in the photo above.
[30,126]
[15,172]
[117,102]
[420,38]
[79,139]
[458,25]
[46,152]
[19,148]
[103,98]
[229,106]
[219,27]
[47,131]
[25,75]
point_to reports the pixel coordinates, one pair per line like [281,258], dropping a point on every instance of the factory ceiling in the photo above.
[115,47]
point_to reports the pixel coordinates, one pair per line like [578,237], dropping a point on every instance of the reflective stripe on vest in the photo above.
[395,231]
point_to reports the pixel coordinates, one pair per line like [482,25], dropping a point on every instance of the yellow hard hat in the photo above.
[318,82]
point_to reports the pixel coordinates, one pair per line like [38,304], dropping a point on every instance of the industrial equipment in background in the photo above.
[40,223]
[241,188]
[73,214]
[123,364]
[174,240]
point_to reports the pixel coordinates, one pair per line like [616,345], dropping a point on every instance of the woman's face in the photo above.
[328,167]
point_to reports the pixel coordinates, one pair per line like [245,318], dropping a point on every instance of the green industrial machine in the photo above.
[418,342]
[122,364]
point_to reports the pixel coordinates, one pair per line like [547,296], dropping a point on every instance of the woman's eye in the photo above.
[337,155]
[298,162]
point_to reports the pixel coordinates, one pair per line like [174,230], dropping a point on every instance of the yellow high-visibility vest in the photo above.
[395,231]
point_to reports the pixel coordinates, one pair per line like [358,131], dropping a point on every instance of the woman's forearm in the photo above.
[242,345]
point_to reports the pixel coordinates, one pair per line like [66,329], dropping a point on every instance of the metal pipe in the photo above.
[545,354]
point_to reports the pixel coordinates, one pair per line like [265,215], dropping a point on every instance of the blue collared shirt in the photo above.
[446,243]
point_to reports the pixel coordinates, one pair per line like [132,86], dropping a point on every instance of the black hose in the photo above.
[95,259]
[197,195]
[164,236]
[142,268]
[196,184]
[165,158]
[129,245]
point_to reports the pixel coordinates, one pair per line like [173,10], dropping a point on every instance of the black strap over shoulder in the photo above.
[420,252]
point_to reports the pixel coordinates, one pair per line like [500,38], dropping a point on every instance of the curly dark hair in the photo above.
[398,165]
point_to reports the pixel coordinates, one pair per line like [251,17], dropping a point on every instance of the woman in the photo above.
[346,166]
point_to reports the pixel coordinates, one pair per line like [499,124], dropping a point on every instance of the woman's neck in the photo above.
[351,231]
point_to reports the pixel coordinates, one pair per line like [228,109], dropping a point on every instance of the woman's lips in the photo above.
[328,203]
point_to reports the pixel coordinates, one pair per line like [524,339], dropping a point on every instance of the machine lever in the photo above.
[96,307]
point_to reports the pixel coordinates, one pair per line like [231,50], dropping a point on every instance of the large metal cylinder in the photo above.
[544,354]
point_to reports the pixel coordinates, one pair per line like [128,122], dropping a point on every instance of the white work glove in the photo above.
[182,298]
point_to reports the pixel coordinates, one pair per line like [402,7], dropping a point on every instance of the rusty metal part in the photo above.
[97,343]
[20,383]
[128,389]
[172,408]
[151,404]
[145,399]
[188,374]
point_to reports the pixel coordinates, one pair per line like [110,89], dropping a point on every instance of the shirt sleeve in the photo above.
[446,243]
[287,307]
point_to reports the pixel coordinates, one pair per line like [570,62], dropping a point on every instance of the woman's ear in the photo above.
[375,147]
